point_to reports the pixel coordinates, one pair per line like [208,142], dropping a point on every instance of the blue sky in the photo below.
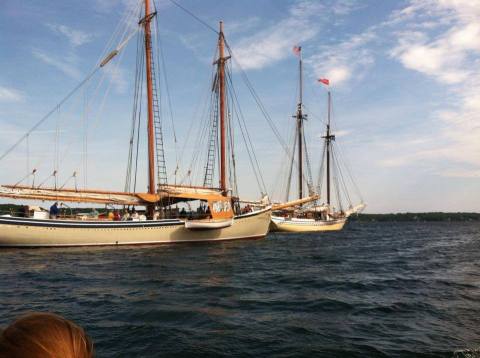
[404,77]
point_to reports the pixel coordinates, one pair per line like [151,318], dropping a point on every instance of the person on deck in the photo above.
[54,211]
[247,209]
[183,213]
[116,216]
[126,215]
[135,215]
[95,213]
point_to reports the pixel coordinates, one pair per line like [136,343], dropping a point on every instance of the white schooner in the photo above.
[216,211]
[307,214]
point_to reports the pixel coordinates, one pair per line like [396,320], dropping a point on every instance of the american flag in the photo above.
[297,50]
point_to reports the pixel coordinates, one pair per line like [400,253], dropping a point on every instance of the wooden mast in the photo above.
[299,117]
[221,78]
[150,125]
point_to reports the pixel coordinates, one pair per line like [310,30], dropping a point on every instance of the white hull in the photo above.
[24,232]
[208,224]
[306,225]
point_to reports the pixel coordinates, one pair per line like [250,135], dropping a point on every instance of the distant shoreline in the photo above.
[428,216]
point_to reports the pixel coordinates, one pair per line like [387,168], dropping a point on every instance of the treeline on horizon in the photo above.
[13,209]
[433,216]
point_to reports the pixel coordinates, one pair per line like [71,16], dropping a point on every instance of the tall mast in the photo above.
[299,117]
[150,125]
[329,138]
[221,78]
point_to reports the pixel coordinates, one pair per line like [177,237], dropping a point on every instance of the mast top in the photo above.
[223,109]
[329,136]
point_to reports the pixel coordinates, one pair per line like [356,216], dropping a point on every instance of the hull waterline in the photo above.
[21,232]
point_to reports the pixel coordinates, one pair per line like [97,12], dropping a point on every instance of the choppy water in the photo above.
[376,289]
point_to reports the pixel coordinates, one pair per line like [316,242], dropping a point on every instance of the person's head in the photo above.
[42,335]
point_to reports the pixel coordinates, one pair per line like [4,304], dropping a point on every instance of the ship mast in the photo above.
[328,138]
[150,125]
[221,78]
[299,116]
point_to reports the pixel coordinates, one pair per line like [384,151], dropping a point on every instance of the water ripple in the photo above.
[374,289]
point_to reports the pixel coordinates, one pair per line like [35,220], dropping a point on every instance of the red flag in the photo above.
[297,50]
[324,81]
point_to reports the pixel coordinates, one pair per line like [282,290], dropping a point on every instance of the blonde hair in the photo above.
[42,335]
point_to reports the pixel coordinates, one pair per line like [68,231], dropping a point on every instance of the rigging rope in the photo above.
[85,141]
[25,177]
[233,165]
[342,179]
[261,106]
[336,186]
[59,105]
[289,180]
[249,145]
[194,16]
[245,78]
[212,143]
[74,176]
[28,155]
[161,61]
[137,103]
[202,128]
[309,168]
[321,169]
[346,165]
[45,117]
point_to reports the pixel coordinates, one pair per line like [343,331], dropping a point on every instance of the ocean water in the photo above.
[372,290]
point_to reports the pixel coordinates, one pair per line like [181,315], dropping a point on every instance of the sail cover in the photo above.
[172,192]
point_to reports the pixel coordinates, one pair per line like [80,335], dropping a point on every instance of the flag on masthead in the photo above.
[297,50]
[325,81]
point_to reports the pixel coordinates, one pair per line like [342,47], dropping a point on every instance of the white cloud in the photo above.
[342,133]
[448,55]
[276,42]
[75,37]
[443,58]
[10,95]
[64,65]
[235,27]
[461,173]
[441,40]
[344,7]
[339,63]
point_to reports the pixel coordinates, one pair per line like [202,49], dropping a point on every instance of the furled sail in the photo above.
[108,197]
[70,195]
[294,203]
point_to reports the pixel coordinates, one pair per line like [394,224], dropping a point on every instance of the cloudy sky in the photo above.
[404,77]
